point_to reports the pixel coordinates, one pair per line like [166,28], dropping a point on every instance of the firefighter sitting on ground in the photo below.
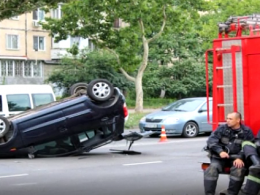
[222,144]
[252,152]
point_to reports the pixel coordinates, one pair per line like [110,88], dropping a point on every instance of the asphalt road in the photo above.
[168,168]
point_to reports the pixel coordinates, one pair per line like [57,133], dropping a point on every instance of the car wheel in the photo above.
[100,90]
[4,126]
[78,88]
[190,129]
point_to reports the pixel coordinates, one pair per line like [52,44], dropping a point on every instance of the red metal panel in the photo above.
[253,107]
[251,70]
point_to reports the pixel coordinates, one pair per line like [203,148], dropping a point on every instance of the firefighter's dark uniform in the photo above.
[230,141]
[252,152]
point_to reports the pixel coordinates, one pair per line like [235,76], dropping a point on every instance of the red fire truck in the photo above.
[236,72]
[236,68]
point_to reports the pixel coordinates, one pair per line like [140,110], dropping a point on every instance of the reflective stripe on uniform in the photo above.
[252,178]
[211,178]
[248,143]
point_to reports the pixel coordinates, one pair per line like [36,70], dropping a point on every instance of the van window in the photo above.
[1,105]
[41,99]
[18,102]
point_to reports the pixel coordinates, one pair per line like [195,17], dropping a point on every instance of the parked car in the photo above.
[93,116]
[186,117]
[17,98]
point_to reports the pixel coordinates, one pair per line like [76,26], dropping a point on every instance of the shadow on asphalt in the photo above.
[177,136]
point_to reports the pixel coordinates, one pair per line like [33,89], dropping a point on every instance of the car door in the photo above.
[202,116]
[43,127]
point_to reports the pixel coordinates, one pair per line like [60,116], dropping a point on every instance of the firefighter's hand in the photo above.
[238,163]
[223,155]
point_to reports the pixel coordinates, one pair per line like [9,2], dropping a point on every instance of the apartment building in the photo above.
[27,53]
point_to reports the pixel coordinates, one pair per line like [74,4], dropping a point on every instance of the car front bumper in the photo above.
[171,129]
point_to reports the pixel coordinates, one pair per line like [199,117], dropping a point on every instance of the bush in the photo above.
[150,103]
[133,120]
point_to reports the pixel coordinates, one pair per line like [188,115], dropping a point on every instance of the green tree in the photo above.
[186,78]
[9,8]
[146,21]
[97,64]
[180,50]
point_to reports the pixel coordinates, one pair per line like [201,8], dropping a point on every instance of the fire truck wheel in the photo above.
[190,130]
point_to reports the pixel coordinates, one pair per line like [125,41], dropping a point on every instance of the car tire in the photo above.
[78,88]
[100,90]
[190,130]
[4,126]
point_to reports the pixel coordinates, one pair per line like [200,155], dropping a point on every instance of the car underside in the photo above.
[89,118]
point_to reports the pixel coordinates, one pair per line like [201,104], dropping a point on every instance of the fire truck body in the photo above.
[236,71]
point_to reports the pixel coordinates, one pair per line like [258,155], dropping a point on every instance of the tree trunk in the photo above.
[139,94]
[139,79]
[162,95]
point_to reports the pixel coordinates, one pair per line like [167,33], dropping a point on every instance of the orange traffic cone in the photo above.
[163,135]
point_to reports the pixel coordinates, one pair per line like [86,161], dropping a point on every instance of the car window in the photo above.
[18,102]
[1,105]
[41,99]
[204,107]
[67,144]
[60,146]
[184,105]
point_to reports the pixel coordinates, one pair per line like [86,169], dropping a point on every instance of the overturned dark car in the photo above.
[93,116]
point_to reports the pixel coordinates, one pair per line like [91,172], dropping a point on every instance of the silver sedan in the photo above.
[186,117]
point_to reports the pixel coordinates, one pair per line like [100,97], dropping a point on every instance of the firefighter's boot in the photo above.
[255,161]
[236,180]
[210,179]
[210,187]
[252,186]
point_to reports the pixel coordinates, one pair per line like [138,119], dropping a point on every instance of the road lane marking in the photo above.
[24,184]
[18,175]
[143,163]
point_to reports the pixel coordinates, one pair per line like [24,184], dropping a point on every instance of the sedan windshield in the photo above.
[184,105]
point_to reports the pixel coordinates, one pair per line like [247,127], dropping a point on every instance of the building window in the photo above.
[11,41]
[38,43]
[36,70]
[91,45]
[74,41]
[10,68]
[20,68]
[27,69]
[32,69]
[3,68]
[7,68]
[38,15]
[57,13]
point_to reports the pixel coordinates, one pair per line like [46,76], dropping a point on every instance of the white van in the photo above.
[17,98]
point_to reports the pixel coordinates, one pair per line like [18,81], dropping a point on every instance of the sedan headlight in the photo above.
[171,120]
[142,119]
